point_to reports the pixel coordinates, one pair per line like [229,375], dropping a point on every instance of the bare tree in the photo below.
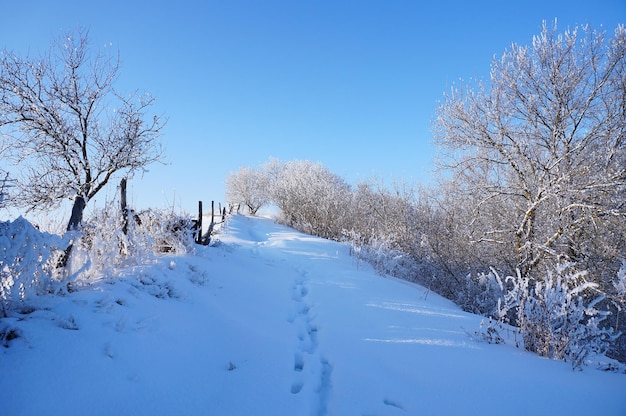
[545,143]
[70,131]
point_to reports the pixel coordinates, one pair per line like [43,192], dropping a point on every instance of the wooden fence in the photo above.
[199,237]
[205,238]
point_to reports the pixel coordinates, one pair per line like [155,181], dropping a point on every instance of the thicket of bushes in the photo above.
[30,259]
[563,311]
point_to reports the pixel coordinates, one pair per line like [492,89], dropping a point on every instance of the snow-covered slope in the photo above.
[274,322]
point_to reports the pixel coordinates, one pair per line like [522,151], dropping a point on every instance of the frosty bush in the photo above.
[27,260]
[311,198]
[156,231]
[103,246]
[479,294]
[557,317]
[381,256]
[29,257]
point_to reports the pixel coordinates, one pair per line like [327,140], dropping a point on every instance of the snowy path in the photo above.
[274,322]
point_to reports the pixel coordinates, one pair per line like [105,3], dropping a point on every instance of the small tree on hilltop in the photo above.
[312,198]
[248,186]
[70,130]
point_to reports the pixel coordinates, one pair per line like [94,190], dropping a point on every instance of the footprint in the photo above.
[393,403]
[296,387]
[312,331]
[108,350]
[299,292]
[303,291]
[298,364]
[120,325]
[325,386]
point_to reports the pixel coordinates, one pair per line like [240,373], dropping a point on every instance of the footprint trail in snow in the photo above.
[311,370]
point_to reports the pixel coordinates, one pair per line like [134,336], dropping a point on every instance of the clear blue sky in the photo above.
[351,84]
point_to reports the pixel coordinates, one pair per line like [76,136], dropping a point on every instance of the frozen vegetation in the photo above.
[270,321]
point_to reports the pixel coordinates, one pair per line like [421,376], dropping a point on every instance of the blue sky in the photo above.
[351,84]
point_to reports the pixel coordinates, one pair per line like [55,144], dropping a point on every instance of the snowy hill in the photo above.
[270,321]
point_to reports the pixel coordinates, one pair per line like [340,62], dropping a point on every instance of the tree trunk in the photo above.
[75,219]
[123,206]
[77,213]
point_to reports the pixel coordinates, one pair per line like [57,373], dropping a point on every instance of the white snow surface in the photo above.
[270,321]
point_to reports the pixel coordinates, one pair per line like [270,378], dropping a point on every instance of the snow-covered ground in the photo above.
[270,321]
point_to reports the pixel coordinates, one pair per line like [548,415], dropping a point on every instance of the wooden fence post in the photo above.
[198,224]
[123,206]
[205,239]
[208,234]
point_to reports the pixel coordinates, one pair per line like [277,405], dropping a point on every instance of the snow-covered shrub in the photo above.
[153,232]
[103,245]
[381,256]
[389,214]
[311,198]
[557,317]
[488,332]
[479,293]
[27,261]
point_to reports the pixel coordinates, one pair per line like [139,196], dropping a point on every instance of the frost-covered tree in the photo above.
[248,186]
[312,198]
[537,156]
[387,212]
[543,145]
[70,131]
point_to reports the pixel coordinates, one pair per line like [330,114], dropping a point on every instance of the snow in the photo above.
[269,321]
